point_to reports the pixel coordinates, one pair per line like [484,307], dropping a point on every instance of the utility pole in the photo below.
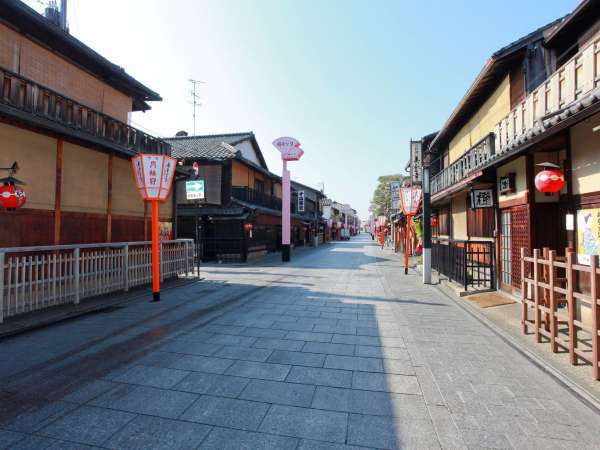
[195,99]
[426,226]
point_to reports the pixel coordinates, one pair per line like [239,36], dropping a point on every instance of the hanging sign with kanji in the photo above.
[289,148]
[482,198]
[410,200]
[153,175]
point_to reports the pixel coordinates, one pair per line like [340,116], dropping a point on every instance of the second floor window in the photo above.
[259,185]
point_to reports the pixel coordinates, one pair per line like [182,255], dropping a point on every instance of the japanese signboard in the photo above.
[289,148]
[194,190]
[506,184]
[588,234]
[300,201]
[410,200]
[416,162]
[153,175]
[482,198]
[395,187]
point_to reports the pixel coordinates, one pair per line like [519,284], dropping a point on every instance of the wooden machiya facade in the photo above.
[63,114]
[535,101]
[240,215]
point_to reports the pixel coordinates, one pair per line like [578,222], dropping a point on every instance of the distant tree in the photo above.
[382,198]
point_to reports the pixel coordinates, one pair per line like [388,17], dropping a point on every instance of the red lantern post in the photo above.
[154,177]
[410,200]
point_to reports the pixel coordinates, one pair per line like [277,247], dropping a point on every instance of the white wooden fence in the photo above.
[34,278]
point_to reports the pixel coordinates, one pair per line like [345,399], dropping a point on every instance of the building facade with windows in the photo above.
[535,101]
[64,114]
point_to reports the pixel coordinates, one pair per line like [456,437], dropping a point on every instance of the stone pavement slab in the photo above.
[336,350]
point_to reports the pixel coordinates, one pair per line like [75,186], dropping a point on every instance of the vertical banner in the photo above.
[300,201]
[395,193]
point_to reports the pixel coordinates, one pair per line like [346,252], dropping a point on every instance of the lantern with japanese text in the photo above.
[551,179]
[153,178]
[12,195]
[410,201]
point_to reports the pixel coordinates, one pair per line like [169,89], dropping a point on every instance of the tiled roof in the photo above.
[215,146]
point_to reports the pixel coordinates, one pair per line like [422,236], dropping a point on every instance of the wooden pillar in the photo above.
[109,200]
[524,305]
[553,307]
[57,190]
[595,316]
[571,308]
[536,293]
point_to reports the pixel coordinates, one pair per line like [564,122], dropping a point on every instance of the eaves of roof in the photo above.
[492,73]
[586,12]
[27,21]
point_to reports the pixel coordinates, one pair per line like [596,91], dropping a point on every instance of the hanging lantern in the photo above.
[434,221]
[551,179]
[12,195]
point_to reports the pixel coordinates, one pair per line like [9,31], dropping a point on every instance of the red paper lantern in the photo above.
[11,197]
[550,180]
[434,221]
[248,227]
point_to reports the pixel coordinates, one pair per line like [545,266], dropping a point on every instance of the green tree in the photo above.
[382,198]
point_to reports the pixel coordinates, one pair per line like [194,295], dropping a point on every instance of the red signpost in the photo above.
[410,200]
[154,177]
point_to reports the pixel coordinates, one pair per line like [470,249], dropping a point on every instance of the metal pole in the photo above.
[285,214]
[426,227]
[155,254]
[407,246]
[197,242]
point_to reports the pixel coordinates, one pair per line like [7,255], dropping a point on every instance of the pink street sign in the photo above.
[289,148]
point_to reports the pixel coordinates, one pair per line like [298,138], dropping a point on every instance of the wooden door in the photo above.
[520,237]
[505,250]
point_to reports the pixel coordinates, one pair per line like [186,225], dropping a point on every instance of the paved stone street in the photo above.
[338,349]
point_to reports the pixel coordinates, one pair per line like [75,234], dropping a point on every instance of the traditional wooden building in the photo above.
[239,217]
[309,228]
[64,112]
[535,101]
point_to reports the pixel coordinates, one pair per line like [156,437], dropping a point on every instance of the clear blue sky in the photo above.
[352,80]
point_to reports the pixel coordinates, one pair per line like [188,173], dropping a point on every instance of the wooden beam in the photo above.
[109,200]
[57,190]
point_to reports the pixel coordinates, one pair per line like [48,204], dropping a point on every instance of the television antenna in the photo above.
[195,99]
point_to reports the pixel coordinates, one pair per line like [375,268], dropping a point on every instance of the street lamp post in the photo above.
[290,151]
[426,227]
[154,177]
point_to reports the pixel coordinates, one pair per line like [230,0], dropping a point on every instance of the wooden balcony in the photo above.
[573,81]
[254,197]
[473,159]
[26,101]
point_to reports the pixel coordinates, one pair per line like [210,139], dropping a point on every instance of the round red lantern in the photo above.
[551,179]
[248,227]
[11,197]
[434,221]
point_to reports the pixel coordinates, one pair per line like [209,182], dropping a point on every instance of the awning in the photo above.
[457,187]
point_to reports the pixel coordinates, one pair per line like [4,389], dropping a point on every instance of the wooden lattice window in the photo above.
[519,224]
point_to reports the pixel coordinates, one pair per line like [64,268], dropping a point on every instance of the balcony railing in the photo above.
[572,81]
[473,159]
[60,112]
[255,197]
